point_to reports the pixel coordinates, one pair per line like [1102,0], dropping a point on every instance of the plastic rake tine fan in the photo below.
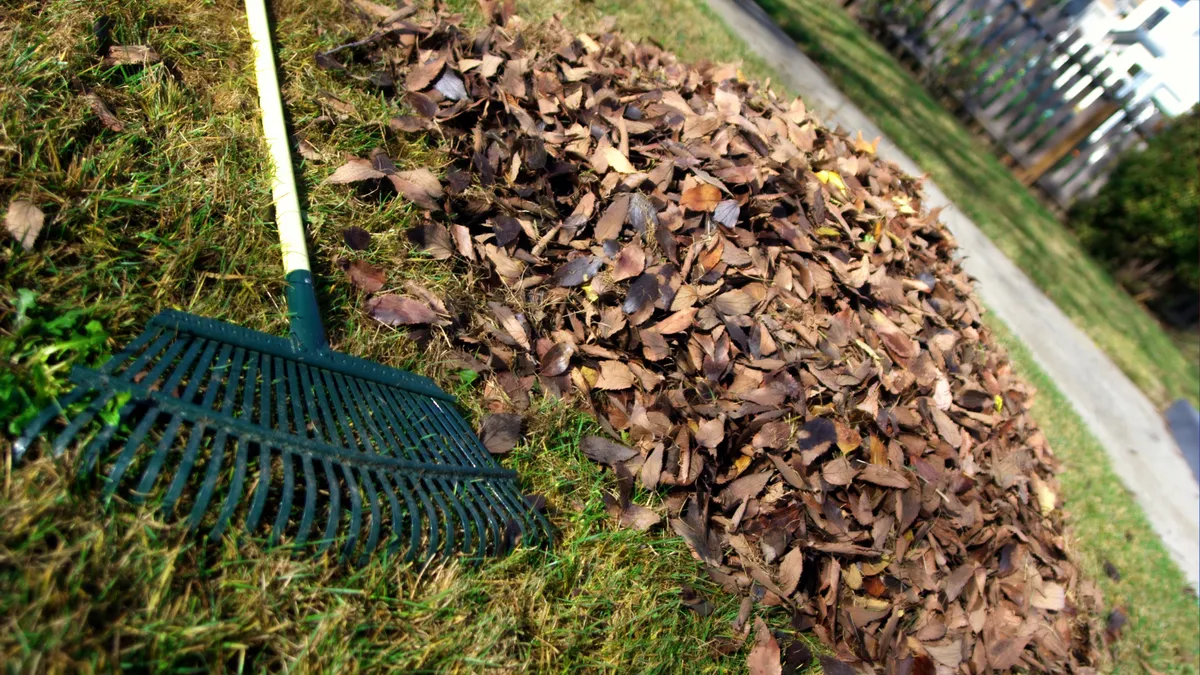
[324,445]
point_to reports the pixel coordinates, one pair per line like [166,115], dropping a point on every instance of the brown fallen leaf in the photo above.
[128,55]
[365,275]
[353,171]
[557,359]
[652,469]
[703,197]
[831,665]
[882,475]
[395,310]
[423,74]
[24,222]
[500,432]
[838,472]
[629,263]
[434,239]
[710,433]
[764,658]
[615,375]
[677,322]
[356,238]
[101,110]
[605,451]
[510,323]
[419,186]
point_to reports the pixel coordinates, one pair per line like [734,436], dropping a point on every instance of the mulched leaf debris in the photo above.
[771,329]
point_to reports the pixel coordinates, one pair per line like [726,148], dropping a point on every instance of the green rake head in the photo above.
[322,446]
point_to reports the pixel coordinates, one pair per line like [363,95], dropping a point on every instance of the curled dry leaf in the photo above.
[102,111]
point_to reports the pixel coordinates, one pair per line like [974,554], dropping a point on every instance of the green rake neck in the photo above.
[304,314]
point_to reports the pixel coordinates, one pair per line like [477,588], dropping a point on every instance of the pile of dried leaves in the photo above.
[763,319]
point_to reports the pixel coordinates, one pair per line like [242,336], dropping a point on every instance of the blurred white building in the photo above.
[1155,44]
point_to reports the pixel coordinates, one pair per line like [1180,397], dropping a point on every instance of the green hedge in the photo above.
[1145,222]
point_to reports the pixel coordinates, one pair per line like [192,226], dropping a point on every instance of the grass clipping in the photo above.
[775,335]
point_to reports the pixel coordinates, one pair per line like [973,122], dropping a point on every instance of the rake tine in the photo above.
[356,512]
[496,528]
[197,436]
[168,439]
[92,451]
[282,397]
[235,491]
[375,428]
[339,383]
[260,491]
[396,429]
[312,386]
[394,503]
[430,515]
[420,486]
[131,446]
[81,420]
[58,407]
[216,458]
[491,493]
[359,401]
[477,496]
[376,525]
[110,366]
[310,501]
[264,457]
[428,490]
[177,374]
[335,504]
[537,525]
[285,498]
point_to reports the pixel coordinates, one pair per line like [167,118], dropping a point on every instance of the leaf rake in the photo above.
[374,452]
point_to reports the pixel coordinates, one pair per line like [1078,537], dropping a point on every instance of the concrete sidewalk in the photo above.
[1120,416]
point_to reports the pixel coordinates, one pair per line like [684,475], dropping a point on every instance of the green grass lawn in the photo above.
[172,213]
[1029,234]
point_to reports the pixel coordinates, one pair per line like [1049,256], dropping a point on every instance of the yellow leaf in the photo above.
[866,348]
[831,177]
[590,375]
[876,604]
[618,162]
[861,145]
[852,577]
[902,202]
[871,569]
[741,463]
[1045,495]
[589,45]
[827,231]
[999,402]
